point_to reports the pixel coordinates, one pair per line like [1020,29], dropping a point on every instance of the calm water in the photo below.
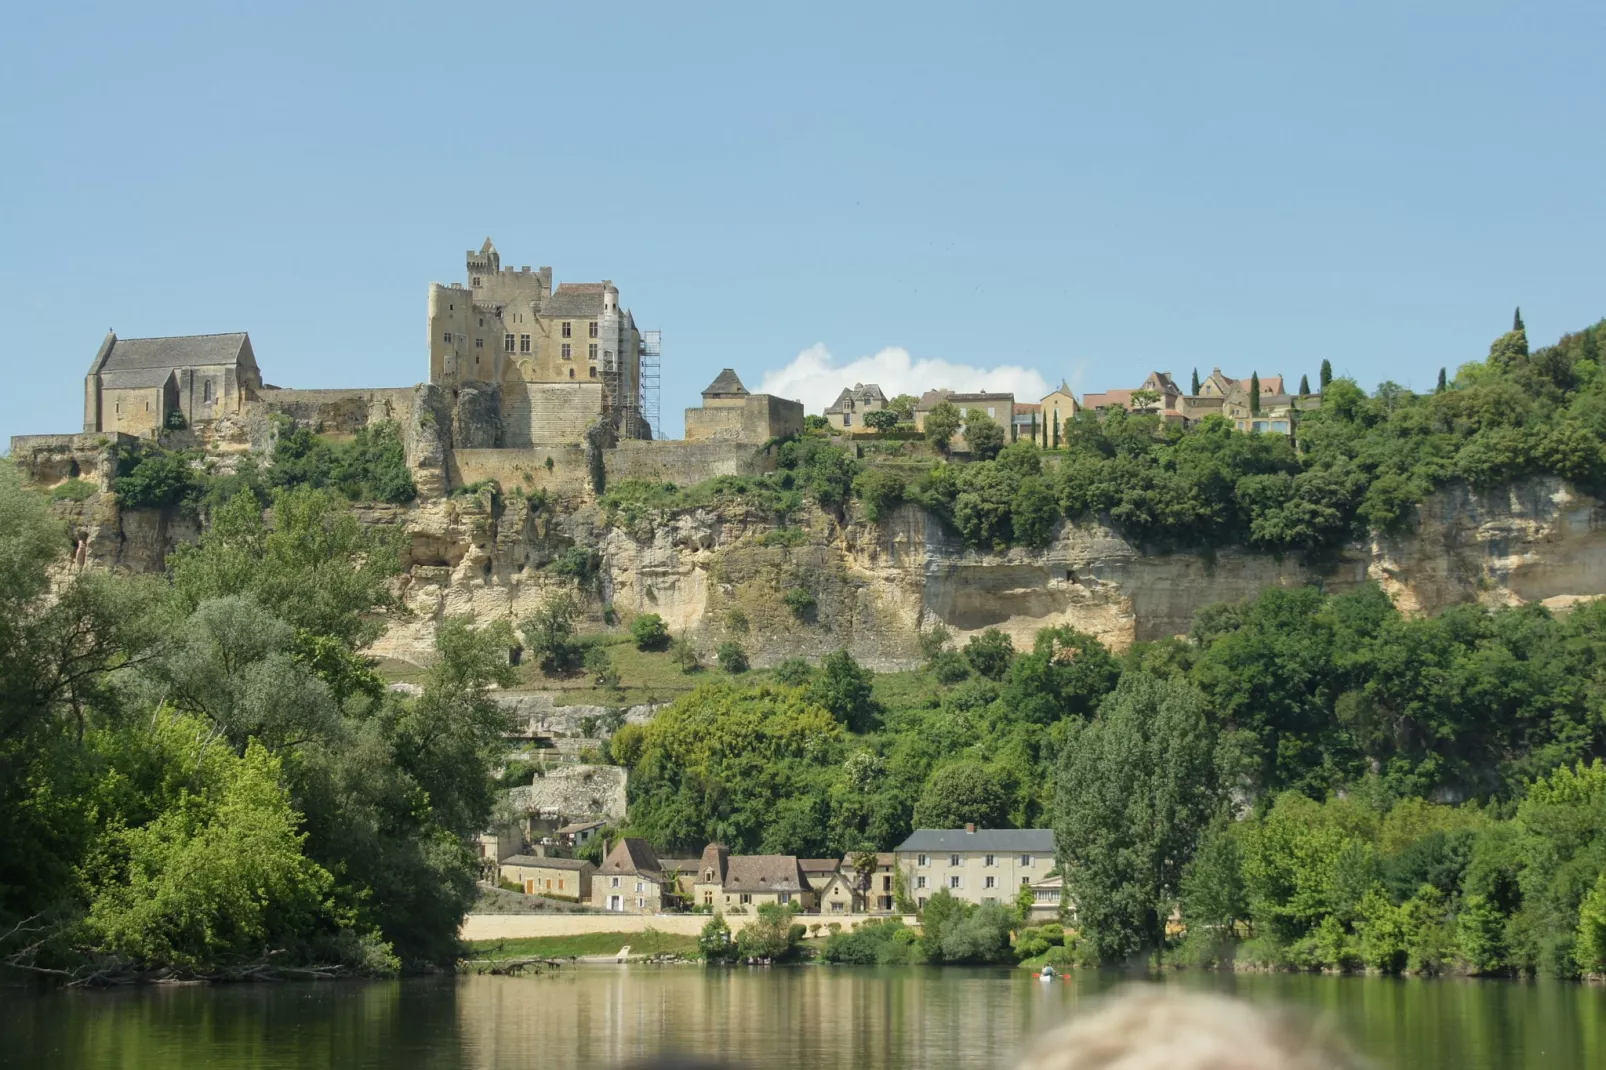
[795,1018]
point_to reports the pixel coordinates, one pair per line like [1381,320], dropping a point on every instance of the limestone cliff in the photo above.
[874,587]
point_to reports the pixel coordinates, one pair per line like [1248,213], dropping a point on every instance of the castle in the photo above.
[514,364]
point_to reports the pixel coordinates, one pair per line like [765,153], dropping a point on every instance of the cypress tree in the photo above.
[1304,385]
[1516,320]
[1056,432]
[1327,373]
[1443,386]
[1254,392]
[1034,429]
[1195,390]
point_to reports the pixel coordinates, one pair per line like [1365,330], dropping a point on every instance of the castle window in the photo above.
[482,321]
[571,375]
[591,351]
[447,338]
[567,327]
[593,371]
[507,342]
[206,390]
[567,352]
[593,328]
[475,281]
[524,343]
[479,343]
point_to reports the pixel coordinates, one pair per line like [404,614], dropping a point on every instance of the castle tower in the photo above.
[485,262]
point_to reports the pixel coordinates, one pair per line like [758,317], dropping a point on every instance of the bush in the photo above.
[794,672]
[578,563]
[72,490]
[152,478]
[871,943]
[990,653]
[599,663]
[771,936]
[683,653]
[949,667]
[649,632]
[799,601]
[549,635]
[714,943]
[732,658]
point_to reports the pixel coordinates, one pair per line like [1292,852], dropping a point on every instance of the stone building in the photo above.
[743,883]
[976,865]
[730,414]
[1058,407]
[560,878]
[558,359]
[846,413]
[135,385]
[631,880]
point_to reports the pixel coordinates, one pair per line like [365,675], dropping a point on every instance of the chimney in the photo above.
[970,826]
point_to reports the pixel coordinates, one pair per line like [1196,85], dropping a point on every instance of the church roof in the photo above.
[180,351]
[726,382]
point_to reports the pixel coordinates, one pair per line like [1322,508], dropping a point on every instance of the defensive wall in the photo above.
[51,459]
[759,418]
[524,926]
[340,411]
[681,463]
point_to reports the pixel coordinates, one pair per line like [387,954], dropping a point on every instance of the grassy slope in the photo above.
[557,947]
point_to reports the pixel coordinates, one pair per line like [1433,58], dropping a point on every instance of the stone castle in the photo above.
[521,372]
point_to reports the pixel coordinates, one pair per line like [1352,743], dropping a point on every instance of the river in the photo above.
[815,1018]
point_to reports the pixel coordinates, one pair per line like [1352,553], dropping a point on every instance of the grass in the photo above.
[650,942]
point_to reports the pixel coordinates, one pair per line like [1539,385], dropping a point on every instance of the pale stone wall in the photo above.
[541,414]
[132,411]
[526,468]
[574,792]
[522,926]
[756,418]
[685,463]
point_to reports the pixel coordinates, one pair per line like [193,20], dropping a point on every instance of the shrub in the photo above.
[799,601]
[650,632]
[949,667]
[736,622]
[714,943]
[732,658]
[990,653]
[684,654]
[599,663]
[72,490]
[578,563]
[794,672]
[549,635]
[152,478]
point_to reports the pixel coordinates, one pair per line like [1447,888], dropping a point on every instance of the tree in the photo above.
[732,658]
[1442,384]
[881,420]
[983,434]
[1304,385]
[990,653]
[1137,786]
[842,686]
[683,652]
[816,422]
[1254,392]
[1326,375]
[649,632]
[1034,512]
[942,424]
[962,794]
[904,406]
[771,936]
[1516,320]
[1144,400]
[549,635]
[1193,389]
[714,943]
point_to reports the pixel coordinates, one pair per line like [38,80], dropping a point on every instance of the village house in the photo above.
[976,865]
[846,413]
[560,878]
[578,833]
[1046,895]
[743,883]
[1058,407]
[631,880]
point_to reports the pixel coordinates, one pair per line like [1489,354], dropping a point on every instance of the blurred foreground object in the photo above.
[1149,1027]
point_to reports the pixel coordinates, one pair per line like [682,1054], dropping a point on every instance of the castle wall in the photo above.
[685,463]
[50,459]
[132,411]
[758,419]
[526,468]
[711,424]
[548,414]
[340,411]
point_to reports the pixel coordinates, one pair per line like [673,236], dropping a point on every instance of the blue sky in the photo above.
[1068,190]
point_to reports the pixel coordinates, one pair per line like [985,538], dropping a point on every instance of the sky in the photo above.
[968,195]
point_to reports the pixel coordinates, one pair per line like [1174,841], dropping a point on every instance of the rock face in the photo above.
[569,791]
[728,572]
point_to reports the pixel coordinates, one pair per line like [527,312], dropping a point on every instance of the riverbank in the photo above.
[482,927]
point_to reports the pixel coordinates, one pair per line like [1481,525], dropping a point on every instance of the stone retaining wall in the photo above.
[524,926]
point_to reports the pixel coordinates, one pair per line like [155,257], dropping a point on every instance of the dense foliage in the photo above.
[204,774]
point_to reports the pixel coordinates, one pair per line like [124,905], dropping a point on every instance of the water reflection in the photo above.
[795,1018]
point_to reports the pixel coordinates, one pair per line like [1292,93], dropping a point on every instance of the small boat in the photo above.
[1047,976]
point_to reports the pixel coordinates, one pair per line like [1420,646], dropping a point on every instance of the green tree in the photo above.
[1212,888]
[1326,375]
[1304,385]
[1137,787]
[1034,512]
[990,653]
[843,686]
[967,792]
[881,420]
[732,658]
[771,935]
[649,632]
[714,943]
[1441,386]
[1254,392]
[549,634]
[942,424]
[1193,387]
[903,405]
[983,434]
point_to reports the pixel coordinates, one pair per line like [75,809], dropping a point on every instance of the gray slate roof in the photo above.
[579,299]
[182,351]
[999,841]
[726,382]
[135,378]
[535,862]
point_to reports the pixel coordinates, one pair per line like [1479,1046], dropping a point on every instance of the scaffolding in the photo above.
[652,353]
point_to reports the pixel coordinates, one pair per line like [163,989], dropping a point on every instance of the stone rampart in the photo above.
[339,411]
[51,459]
[526,468]
[685,463]
[541,414]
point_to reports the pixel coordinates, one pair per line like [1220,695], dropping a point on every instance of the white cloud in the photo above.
[815,378]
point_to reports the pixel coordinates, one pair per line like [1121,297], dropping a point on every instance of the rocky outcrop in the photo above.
[569,792]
